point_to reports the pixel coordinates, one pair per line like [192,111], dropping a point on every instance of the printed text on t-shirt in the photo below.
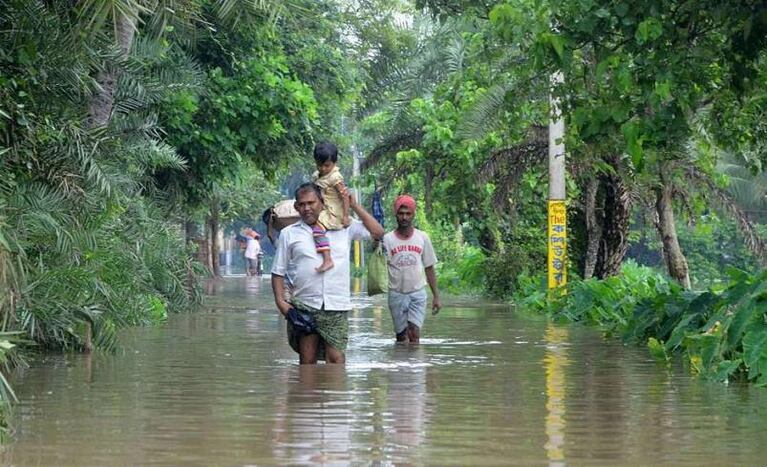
[401,248]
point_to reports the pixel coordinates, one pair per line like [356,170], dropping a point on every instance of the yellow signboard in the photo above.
[557,244]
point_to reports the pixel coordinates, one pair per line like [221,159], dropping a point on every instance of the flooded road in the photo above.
[485,387]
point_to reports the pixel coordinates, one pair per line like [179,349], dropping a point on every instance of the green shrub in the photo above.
[463,272]
[461,267]
[504,269]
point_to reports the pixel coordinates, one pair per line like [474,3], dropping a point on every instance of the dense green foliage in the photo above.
[664,109]
[123,122]
[83,247]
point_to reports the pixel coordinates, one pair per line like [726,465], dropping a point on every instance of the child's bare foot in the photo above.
[327,264]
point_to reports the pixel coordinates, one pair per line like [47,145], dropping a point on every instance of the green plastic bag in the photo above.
[378,273]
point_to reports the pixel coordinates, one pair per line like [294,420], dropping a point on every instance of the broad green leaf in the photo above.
[755,345]
[739,321]
[725,369]
[648,30]
[558,43]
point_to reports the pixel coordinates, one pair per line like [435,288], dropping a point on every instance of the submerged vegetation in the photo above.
[721,331]
[132,132]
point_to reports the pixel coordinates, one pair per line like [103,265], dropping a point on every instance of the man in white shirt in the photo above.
[317,309]
[410,258]
[252,249]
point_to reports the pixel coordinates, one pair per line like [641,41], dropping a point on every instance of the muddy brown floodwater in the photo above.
[485,387]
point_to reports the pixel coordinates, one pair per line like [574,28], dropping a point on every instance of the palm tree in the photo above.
[744,199]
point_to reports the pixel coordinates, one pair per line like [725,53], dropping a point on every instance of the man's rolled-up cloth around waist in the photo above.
[331,326]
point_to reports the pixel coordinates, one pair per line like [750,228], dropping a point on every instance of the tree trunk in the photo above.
[593,228]
[487,240]
[189,231]
[214,246]
[617,207]
[205,248]
[672,252]
[102,102]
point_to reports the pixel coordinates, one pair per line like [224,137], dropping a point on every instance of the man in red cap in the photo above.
[411,259]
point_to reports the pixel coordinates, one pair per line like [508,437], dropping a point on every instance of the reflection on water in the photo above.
[484,387]
[409,402]
[555,363]
[312,412]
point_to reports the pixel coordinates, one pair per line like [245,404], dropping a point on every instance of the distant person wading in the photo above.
[252,252]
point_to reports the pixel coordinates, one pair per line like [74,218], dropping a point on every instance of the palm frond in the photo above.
[392,145]
[753,240]
[94,15]
[61,56]
[506,167]
[455,53]
[152,154]
[235,11]
[479,120]
[747,189]
[440,51]
[179,15]
[152,73]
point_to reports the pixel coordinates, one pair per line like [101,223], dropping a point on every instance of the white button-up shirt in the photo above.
[296,259]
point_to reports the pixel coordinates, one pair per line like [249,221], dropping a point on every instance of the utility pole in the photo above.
[557,211]
[356,244]
[358,253]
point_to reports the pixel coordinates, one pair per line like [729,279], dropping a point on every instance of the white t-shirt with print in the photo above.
[407,258]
